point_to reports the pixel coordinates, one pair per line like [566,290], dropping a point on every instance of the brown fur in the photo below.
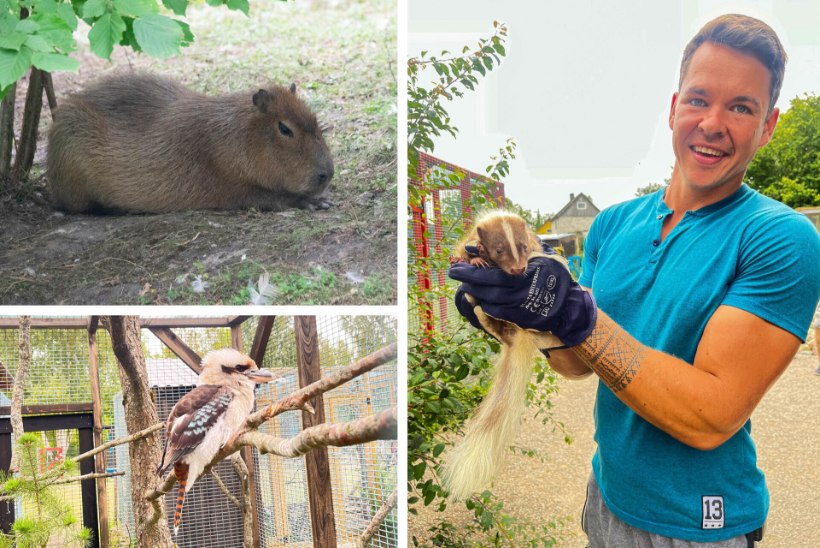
[503,239]
[144,143]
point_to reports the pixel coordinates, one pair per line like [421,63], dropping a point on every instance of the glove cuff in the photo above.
[578,317]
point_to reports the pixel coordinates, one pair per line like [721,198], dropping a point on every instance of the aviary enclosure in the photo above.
[333,495]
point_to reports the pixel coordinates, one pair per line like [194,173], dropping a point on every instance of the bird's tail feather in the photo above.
[181,471]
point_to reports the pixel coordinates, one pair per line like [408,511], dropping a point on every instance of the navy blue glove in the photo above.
[545,298]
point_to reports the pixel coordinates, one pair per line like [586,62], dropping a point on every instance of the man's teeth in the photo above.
[709,151]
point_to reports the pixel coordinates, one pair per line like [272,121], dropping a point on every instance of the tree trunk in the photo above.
[19,389]
[140,413]
[31,123]
[7,132]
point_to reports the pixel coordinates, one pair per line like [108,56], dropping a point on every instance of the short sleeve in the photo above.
[778,274]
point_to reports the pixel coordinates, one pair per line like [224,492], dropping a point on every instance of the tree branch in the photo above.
[377,427]
[377,520]
[19,388]
[119,441]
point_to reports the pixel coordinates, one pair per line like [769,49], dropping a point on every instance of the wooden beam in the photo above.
[60,408]
[247,451]
[237,320]
[99,459]
[82,323]
[179,348]
[317,464]
[261,338]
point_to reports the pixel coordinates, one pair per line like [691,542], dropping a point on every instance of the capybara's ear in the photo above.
[293,88]
[262,100]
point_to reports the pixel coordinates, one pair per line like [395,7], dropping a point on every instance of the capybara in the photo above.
[145,143]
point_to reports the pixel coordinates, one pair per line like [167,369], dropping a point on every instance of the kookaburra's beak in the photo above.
[259,375]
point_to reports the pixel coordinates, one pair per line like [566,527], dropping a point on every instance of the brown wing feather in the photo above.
[190,420]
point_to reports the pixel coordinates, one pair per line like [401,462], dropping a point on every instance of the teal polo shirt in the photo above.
[746,251]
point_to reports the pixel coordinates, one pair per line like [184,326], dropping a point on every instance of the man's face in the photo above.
[719,118]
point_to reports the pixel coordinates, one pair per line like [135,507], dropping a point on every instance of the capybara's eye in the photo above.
[285,130]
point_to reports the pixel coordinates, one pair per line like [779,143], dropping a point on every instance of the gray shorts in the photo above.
[605,530]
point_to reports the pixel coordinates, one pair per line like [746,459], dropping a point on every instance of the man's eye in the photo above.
[697,102]
[742,109]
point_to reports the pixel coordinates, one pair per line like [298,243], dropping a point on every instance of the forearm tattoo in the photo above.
[612,353]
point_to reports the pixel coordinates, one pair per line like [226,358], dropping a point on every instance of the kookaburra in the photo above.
[205,418]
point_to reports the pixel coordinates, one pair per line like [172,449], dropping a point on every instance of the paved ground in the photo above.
[785,427]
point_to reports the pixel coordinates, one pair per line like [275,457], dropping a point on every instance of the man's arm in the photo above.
[738,359]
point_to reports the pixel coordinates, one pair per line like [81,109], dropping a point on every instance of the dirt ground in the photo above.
[345,255]
[784,428]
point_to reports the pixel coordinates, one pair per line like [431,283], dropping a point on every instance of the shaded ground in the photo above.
[784,428]
[342,57]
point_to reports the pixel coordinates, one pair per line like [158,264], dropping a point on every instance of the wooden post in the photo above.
[317,464]
[31,122]
[87,488]
[261,338]
[99,459]
[247,452]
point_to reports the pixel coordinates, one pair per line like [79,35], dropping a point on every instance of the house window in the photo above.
[581,205]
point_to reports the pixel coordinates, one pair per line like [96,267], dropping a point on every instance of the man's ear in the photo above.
[672,110]
[768,127]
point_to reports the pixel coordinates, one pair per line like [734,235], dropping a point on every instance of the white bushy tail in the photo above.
[474,461]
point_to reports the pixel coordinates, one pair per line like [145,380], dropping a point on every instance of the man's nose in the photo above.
[712,124]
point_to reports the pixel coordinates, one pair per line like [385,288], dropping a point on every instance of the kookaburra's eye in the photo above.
[285,130]
[240,367]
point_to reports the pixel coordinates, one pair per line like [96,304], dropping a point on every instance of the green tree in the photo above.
[649,189]
[788,168]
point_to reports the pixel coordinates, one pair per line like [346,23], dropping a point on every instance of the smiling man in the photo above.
[704,290]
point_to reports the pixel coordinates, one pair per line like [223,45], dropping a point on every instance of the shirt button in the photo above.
[660,217]
[656,243]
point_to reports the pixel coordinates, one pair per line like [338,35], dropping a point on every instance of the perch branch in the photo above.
[376,427]
[93,475]
[153,498]
[226,491]
[241,470]
[378,519]
[119,441]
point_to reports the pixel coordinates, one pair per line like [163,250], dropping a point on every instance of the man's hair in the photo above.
[747,35]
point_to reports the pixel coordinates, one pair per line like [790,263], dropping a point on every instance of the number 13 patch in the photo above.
[712,512]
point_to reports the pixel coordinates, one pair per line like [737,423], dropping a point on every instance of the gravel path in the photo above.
[785,429]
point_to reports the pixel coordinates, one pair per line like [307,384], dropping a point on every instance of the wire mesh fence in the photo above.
[446,212]
[362,477]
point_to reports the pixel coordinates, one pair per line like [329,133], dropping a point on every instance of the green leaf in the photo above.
[187,35]
[54,62]
[13,65]
[106,32]
[13,40]
[57,31]
[176,6]
[241,5]
[66,13]
[438,449]
[29,26]
[94,8]
[38,43]
[158,36]
[135,8]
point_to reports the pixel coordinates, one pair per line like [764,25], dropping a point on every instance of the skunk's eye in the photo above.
[285,130]
[242,367]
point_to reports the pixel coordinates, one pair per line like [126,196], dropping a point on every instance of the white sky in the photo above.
[586,86]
